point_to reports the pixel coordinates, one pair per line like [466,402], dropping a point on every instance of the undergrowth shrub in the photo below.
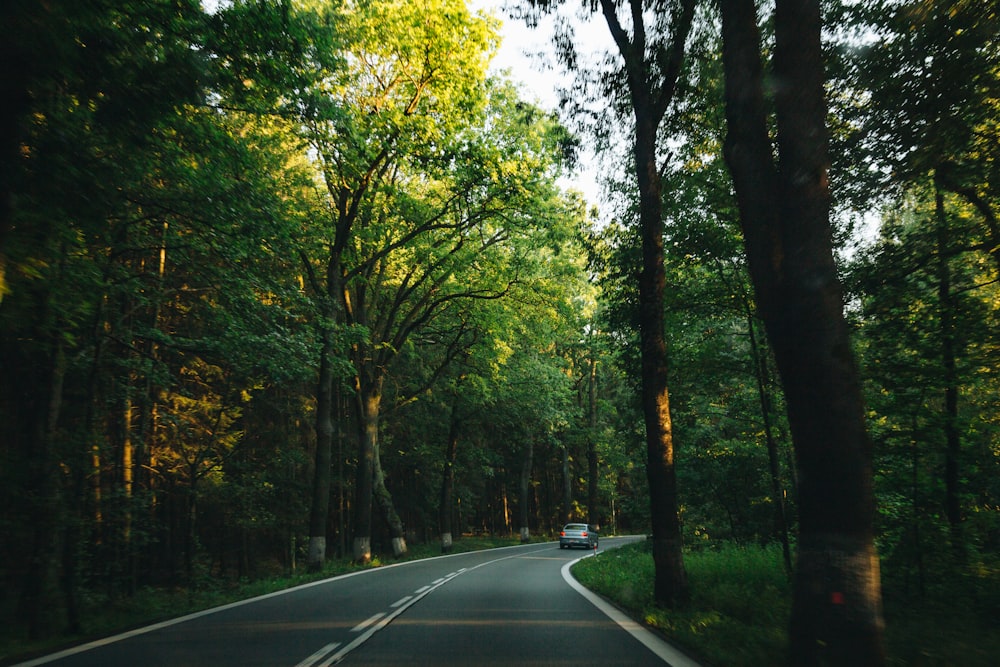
[740,607]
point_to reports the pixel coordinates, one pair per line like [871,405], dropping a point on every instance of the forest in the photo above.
[287,281]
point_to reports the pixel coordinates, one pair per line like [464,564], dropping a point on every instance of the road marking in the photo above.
[364,624]
[318,654]
[660,648]
[82,648]
[401,601]
[379,621]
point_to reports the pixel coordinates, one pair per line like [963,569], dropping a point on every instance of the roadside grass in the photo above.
[738,615]
[739,606]
[106,615]
[741,602]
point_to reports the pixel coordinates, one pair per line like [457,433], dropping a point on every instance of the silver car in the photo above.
[578,535]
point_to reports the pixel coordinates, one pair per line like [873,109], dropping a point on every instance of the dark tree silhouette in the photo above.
[784,209]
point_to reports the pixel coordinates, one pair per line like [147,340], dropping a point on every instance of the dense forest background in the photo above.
[291,281]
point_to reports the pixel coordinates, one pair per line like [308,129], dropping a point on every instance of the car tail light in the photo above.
[584,533]
[562,533]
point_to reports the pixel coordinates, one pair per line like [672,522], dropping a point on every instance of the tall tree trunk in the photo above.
[191,534]
[341,501]
[652,91]
[946,308]
[670,584]
[593,512]
[384,499]
[71,552]
[38,594]
[128,471]
[505,503]
[361,546]
[448,483]
[567,486]
[320,507]
[330,293]
[777,492]
[916,513]
[525,500]
[784,211]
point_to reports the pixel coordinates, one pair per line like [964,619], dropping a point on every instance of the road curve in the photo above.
[514,605]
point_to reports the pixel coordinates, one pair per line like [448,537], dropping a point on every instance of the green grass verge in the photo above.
[739,606]
[106,616]
[741,601]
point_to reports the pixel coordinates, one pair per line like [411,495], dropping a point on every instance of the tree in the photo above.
[70,128]
[930,131]
[837,616]
[651,91]
[377,80]
[926,328]
[642,87]
[931,90]
[147,273]
[431,177]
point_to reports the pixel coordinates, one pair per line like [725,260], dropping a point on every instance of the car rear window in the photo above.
[575,526]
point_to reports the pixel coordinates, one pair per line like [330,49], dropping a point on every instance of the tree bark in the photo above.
[670,587]
[593,512]
[650,99]
[567,484]
[330,292]
[763,377]
[525,500]
[448,484]
[384,499]
[946,308]
[784,211]
[320,506]
[38,595]
[368,399]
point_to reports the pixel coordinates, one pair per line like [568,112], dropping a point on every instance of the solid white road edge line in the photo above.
[661,648]
[80,648]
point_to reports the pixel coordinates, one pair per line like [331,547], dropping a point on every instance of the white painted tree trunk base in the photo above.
[525,534]
[446,543]
[317,553]
[398,546]
[362,549]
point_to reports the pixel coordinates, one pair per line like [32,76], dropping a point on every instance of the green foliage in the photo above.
[906,340]
[182,183]
[152,604]
[741,599]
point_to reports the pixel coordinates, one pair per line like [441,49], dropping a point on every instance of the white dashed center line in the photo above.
[308,662]
[378,621]
[364,624]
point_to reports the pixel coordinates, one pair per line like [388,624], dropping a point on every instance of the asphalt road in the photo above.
[510,606]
